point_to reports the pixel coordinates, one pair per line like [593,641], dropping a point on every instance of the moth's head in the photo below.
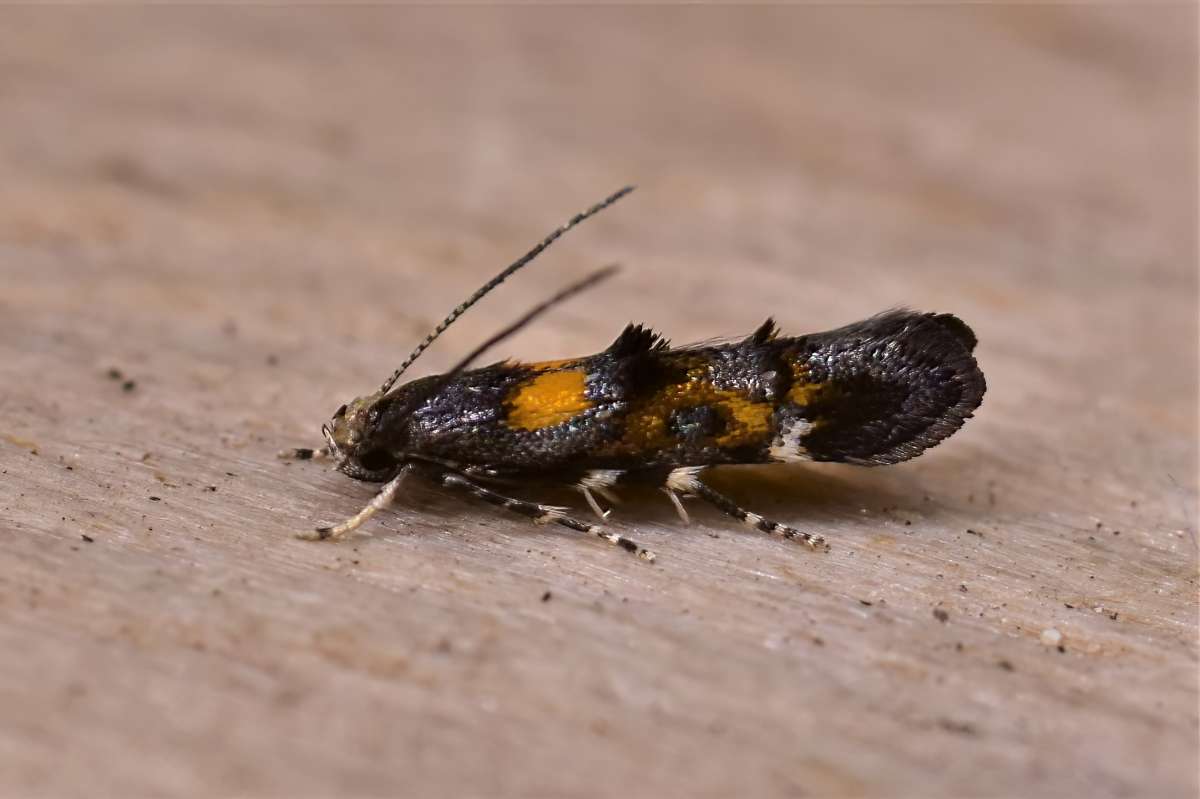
[355,443]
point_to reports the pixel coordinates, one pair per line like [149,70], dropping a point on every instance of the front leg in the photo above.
[303,454]
[385,497]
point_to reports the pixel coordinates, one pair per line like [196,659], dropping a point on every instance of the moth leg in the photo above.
[543,514]
[686,481]
[303,454]
[385,497]
[593,504]
[682,511]
[601,481]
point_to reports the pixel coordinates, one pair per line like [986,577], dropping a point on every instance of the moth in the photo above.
[875,392]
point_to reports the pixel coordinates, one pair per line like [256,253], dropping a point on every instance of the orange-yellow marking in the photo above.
[646,422]
[749,422]
[547,399]
[803,389]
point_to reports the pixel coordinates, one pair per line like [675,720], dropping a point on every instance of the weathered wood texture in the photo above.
[253,214]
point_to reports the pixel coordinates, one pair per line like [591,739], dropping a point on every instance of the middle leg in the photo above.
[542,514]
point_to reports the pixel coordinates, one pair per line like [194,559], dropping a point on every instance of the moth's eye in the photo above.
[377,460]
[340,412]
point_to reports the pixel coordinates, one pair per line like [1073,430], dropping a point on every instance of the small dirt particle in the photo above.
[87,538]
[960,727]
[546,597]
[941,615]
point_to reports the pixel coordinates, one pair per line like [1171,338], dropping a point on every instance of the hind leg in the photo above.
[686,481]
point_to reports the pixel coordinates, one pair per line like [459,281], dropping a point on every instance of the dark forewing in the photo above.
[879,391]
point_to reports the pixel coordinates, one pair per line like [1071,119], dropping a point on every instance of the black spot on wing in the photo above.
[697,423]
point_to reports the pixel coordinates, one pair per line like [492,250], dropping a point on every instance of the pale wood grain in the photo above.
[253,214]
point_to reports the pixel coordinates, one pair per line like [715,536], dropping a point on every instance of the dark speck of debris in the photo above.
[87,538]
[962,587]
[116,374]
[156,499]
[1068,606]
[1062,650]
[272,360]
[941,615]
[1006,665]
[546,596]
[1116,532]
[958,646]
[907,523]
[210,488]
[866,602]
[960,727]
[1113,615]
[818,641]
[974,532]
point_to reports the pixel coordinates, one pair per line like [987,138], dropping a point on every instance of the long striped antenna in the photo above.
[570,291]
[497,280]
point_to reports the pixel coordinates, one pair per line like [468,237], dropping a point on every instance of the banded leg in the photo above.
[686,480]
[385,497]
[543,514]
[303,454]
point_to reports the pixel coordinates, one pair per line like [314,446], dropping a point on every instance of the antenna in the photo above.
[570,291]
[500,278]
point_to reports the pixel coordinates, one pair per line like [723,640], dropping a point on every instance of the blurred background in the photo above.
[252,214]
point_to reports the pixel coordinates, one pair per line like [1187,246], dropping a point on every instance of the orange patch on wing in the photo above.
[803,389]
[547,399]
[646,424]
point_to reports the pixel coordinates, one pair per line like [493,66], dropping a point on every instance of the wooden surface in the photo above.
[252,215]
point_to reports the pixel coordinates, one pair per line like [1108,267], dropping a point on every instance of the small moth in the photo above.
[875,392]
